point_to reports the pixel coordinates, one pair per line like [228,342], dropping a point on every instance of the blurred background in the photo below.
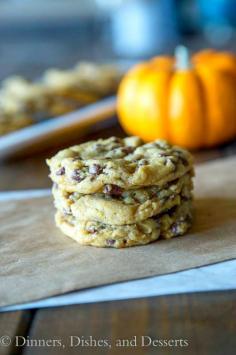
[37,34]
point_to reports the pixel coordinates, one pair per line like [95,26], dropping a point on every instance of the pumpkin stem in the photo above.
[182,58]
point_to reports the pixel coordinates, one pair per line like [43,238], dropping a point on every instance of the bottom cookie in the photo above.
[172,223]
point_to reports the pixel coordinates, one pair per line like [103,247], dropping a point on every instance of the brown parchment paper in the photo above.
[37,261]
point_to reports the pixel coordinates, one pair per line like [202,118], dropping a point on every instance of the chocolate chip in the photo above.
[110,242]
[184,161]
[165,161]
[95,169]
[127,150]
[76,175]
[112,189]
[61,171]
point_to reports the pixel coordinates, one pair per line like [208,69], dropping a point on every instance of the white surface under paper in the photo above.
[221,276]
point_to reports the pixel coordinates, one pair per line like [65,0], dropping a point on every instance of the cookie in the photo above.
[86,77]
[130,207]
[115,164]
[174,222]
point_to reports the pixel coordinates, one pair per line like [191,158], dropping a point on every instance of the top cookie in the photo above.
[109,165]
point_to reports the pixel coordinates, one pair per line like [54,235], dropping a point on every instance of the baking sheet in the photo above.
[50,131]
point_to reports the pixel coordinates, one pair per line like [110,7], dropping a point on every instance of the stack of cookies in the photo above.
[121,192]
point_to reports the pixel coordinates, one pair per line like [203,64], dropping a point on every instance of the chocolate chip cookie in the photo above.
[128,207]
[115,164]
[172,223]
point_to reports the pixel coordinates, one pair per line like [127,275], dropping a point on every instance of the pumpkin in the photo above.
[190,101]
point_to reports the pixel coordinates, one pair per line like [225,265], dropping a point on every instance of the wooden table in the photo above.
[205,320]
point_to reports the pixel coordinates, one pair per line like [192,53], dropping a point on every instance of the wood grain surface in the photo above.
[12,324]
[205,321]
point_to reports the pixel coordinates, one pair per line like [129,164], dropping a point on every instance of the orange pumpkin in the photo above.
[188,101]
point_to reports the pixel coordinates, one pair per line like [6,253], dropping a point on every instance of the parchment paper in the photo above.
[37,261]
